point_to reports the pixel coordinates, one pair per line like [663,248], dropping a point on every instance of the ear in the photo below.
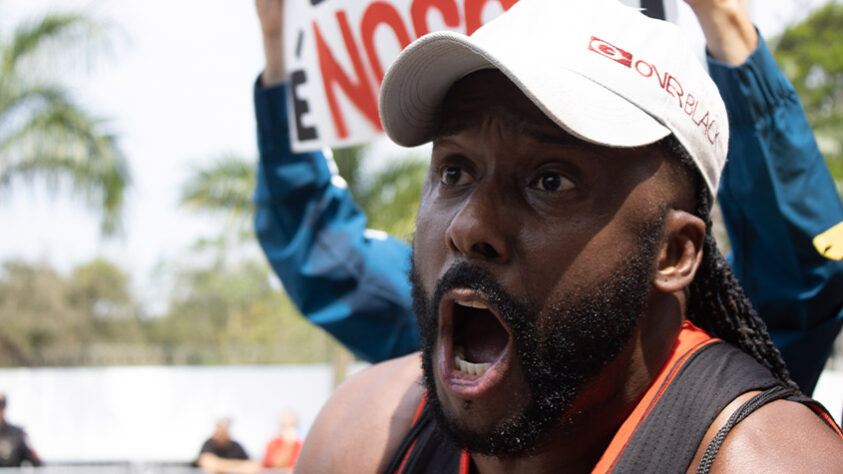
[681,251]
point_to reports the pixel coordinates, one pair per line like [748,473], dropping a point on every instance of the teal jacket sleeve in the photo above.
[349,280]
[776,195]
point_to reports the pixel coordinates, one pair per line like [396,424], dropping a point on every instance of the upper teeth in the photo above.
[472,304]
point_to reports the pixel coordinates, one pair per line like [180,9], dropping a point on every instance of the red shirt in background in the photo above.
[282,453]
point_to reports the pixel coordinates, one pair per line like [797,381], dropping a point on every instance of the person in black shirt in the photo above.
[220,453]
[14,444]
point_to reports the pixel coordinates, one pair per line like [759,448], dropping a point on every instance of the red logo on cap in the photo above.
[688,103]
[610,51]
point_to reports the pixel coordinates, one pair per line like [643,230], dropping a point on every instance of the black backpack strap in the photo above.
[754,403]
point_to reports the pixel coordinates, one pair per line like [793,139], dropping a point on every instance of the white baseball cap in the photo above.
[602,71]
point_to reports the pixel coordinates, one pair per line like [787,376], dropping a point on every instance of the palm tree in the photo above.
[389,197]
[44,134]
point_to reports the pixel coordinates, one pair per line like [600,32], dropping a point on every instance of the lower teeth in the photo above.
[467,367]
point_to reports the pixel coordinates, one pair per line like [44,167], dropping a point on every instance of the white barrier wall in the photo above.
[144,414]
[156,413]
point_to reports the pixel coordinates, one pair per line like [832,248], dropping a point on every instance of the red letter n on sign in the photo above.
[380,13]
[360,92]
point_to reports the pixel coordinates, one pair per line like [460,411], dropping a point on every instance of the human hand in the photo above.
[729,33]
[271,17]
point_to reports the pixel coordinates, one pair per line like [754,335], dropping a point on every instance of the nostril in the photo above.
[453,245]
[484,249]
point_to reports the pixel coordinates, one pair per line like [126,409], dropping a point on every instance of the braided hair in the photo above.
[717,303]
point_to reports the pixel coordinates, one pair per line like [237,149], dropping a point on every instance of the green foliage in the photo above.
[350,162]
[44,134]
[219,313]
[41,310]
[390,195]
[392,198]
[227,299]
[227,307]
[224,187]
[223,303]
[811,55]
[223,306]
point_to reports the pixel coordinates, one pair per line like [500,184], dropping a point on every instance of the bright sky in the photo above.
[178,93]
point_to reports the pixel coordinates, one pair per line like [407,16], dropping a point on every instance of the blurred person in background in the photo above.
[220,453]
[283,450]
[15,450]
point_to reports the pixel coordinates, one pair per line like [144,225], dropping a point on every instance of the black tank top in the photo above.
[701,381]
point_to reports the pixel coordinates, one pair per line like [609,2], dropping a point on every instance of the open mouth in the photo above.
[474,341]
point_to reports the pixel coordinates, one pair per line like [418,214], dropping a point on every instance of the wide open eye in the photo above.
[453,176]
[551,182]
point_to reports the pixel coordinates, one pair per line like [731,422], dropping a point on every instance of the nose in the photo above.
[480,229]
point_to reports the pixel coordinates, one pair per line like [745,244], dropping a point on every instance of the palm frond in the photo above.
[63,29]
[224,186]
[62,143]
[17,101]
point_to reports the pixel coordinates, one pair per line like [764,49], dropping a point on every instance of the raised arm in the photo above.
[730,36]
[271,17]
[776,194]
[347,279]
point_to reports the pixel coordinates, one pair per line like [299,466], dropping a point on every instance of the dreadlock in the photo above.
[717,303]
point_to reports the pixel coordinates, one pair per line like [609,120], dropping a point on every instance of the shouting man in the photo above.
[575,314]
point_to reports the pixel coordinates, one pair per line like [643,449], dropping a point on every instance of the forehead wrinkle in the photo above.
[476,111]
[499,127]
[505,118]
[453,122]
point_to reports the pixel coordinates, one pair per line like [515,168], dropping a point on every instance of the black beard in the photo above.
[579,336]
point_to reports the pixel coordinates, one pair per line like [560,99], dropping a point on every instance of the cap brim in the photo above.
[417,82]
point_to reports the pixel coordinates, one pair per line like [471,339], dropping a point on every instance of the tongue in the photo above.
[485,338]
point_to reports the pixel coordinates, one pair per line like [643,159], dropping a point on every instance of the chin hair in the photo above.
[558,357]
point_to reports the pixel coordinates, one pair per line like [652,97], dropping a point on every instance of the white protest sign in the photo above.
[336,53]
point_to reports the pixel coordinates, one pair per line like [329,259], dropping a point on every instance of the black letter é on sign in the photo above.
[300,106]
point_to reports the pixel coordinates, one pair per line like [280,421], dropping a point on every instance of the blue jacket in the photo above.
[776,195]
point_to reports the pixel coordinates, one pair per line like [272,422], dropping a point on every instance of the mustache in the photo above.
[470,276]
